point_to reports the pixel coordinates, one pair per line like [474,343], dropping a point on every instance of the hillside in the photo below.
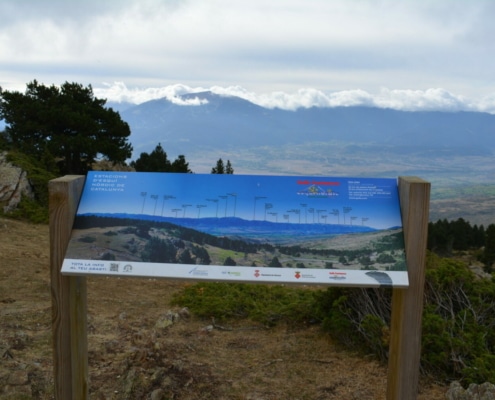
[134,347]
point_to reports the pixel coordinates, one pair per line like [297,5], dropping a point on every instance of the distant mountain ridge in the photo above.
[452,150]
[237,227]
[223,122]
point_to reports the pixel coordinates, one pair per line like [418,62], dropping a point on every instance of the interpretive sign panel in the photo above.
[241,228]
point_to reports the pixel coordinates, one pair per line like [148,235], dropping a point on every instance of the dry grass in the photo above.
[135,349]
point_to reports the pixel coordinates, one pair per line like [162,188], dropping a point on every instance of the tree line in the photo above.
[445,237]
[157,161]
[68,129]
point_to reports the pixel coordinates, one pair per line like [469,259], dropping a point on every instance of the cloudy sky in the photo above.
[404,54]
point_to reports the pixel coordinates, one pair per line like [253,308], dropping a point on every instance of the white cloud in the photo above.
[405,100]
[422,100]
[118,92]
[487,104]
[274,47]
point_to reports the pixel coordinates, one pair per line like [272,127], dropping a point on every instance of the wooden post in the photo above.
[69,307]
[407,304]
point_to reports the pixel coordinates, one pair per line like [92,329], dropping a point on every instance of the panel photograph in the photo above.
[240,228]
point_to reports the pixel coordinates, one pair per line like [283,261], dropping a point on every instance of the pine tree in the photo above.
[489,252]
[220,168]
[157,161]
[67,124]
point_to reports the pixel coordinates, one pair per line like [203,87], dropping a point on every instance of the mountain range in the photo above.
[452,150]
[255,231]
[226,122]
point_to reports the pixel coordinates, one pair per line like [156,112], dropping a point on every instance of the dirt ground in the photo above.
[140,347]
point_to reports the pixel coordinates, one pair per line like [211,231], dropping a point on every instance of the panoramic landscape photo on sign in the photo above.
[239,228]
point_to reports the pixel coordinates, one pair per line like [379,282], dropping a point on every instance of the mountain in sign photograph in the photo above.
[262,231]
[243,243]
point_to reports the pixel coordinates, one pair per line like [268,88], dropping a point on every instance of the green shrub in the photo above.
[358,318]
[458,323]
[4,141]
[458,331]
[157,250]
[385,258]
[458,335]
[261,303]
[481,369]
[108,256]
[337,321]
[30,210]
[87,239]
[38,174]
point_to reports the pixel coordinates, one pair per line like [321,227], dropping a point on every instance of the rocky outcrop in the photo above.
[485,391]
[14,184]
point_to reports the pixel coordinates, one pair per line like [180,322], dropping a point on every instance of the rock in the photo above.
[157,394]
[479,272]
[14,184]
[455,392]
[170,318]
[207,329]
[157,375]
[184,313]
[163,322]
[485,391]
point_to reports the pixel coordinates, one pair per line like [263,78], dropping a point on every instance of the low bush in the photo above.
[458,337]
[261,303]
[30,210]
[33,210]
[359,318]
[87,239]
[458,323]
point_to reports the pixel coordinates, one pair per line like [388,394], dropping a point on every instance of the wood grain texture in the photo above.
[68,293]
[407,304]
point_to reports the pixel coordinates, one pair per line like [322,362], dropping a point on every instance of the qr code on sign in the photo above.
[114,267]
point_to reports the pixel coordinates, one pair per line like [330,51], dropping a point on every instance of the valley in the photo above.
[463,184]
